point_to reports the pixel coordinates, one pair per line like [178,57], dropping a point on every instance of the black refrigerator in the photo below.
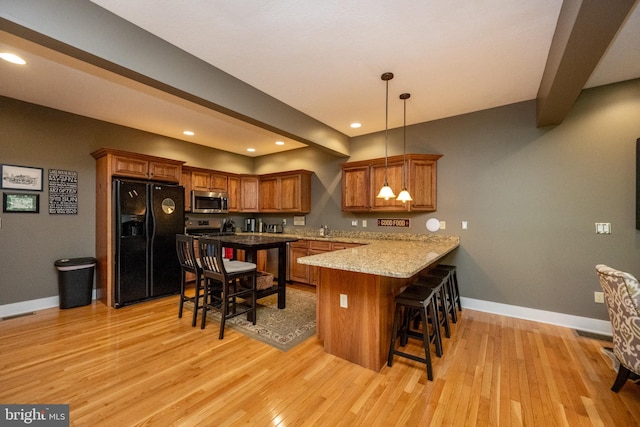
[148,216]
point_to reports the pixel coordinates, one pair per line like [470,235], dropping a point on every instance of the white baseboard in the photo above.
[586,324]
[8,310]
[567,320]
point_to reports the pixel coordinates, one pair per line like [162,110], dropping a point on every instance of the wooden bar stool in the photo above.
[439,287]
[423,299]
[454,280]
[447,278]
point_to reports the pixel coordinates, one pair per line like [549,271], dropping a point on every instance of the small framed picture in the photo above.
[20,202]
[21,177]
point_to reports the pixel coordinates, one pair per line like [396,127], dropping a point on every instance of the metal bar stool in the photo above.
[421,298]
[446,277]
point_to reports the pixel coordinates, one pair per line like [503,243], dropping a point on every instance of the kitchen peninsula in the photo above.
[357,287]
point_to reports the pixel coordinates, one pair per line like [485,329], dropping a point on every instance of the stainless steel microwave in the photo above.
[209,202]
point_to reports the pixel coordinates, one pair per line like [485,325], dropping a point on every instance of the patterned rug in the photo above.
[282,329]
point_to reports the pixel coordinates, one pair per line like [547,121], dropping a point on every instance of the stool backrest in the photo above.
[186,252]
[211,257]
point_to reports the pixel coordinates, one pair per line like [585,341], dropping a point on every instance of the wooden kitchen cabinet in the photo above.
[207,180]
[394,174]
[134,165]
[249,191]
[286,192]
[269,194]
[233,190]
[298,272]
[309,274]
[185,181]
[422,184]
[362,180]
[355,188]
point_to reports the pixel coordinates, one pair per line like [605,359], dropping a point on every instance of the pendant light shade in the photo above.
[404,195]
[386,192]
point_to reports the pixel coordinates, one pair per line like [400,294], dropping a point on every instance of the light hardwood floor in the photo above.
[141,365]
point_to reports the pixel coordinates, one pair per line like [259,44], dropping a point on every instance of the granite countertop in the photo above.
[382,254]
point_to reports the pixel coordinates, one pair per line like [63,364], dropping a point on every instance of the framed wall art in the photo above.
[20,202]
[21,177]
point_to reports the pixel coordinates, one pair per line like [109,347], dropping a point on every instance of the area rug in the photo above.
[282,329]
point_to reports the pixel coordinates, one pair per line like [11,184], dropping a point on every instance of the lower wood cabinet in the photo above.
[309,274]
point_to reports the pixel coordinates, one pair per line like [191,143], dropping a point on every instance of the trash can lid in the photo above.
[76,262]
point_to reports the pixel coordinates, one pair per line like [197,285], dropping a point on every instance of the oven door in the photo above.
[209,202]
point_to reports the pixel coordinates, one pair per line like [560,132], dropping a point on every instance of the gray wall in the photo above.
[531,196]
[41,137]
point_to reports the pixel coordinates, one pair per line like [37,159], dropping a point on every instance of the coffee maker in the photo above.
[250,225]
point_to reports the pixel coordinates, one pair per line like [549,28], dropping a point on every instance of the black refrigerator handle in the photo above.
[152,221]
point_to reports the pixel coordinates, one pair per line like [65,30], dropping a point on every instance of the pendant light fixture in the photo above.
[386,192]
[404,195]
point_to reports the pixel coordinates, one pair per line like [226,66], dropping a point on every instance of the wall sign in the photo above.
[394,222]
[63,192]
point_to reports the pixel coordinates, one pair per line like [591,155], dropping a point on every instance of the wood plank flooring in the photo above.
[141,365]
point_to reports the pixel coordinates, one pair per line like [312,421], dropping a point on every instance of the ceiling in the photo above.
[323,59]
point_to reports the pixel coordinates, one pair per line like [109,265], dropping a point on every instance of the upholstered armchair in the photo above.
[622,296]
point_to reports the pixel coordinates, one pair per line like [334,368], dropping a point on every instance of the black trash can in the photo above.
[75,281]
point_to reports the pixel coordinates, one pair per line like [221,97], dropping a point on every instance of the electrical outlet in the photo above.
[603,228]
[284,222]
[343,301]
[443,225]
[598,297]
[354,222]
[465,225]
[364,222]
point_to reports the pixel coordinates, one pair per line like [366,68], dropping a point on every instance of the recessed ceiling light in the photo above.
[251,150]
[189,132]
[279,142]
[14,59]
[356,125]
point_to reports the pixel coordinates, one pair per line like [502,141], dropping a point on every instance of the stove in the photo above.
[209,227]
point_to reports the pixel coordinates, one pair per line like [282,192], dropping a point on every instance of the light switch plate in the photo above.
[603,228]
[343,301]
[598,297]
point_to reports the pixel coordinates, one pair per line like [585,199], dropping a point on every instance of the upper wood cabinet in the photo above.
[185,181]
[249,191]
[133,165]
[233,189]
[208,180]
[286,192]
[362,180]
[422,180]
[277,192]
[355,188]
[377,177]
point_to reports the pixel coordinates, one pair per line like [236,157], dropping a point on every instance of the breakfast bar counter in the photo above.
[357,288]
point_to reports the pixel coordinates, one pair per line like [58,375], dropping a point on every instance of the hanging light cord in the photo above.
[386,131]
[404,143]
